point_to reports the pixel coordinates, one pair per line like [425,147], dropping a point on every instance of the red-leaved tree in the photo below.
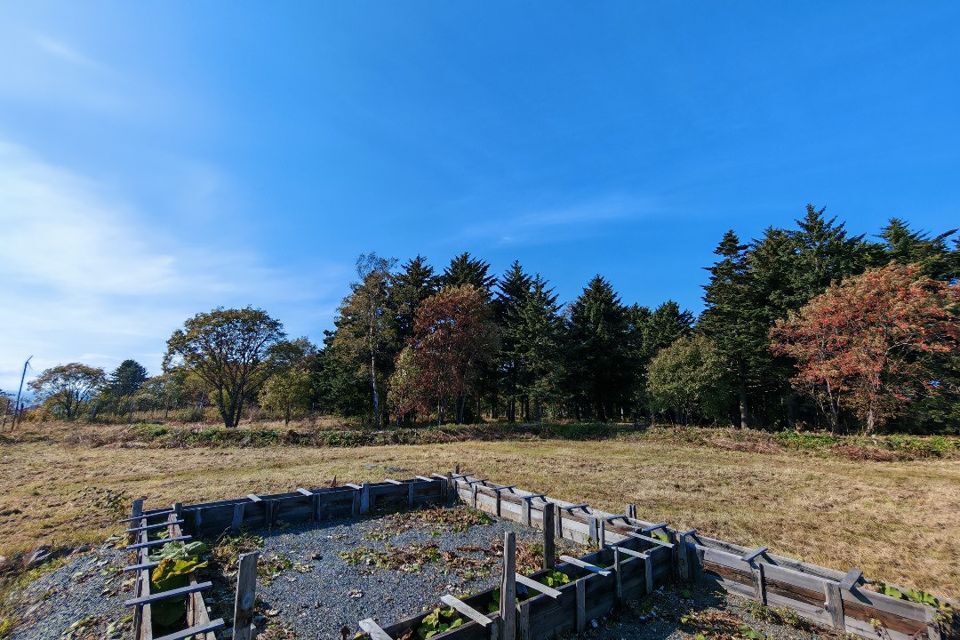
[866,344]
[453,333]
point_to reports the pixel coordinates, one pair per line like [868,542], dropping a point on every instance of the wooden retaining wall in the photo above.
[824,596]
[589,595]
[211,519]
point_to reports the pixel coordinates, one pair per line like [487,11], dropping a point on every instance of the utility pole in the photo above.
[16,408]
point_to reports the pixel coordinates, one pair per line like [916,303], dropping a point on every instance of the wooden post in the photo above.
[581,605]
[549,544]
[451,490]
[508,588]
[834,604]
[365,498]
[632,511]
[601,533]
[410,494]
[246,596]
[523,622]
[759,583]
[619,578]
[237,523]
[473,495]
[136,511]
[527,518]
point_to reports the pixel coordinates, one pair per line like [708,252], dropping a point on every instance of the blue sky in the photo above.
[159,159]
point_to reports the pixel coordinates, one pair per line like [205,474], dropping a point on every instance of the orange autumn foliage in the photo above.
[866,344]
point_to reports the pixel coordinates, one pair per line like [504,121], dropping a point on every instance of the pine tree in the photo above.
[514,288]
[905,246]
[538,334]
[415,282]
[465,269]
[598,376]
[730,319]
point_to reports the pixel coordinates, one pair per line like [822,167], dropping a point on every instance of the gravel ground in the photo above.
[319,592]
[317,580]
[80,600]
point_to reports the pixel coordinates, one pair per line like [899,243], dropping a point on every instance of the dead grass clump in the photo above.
[872,454]
[718,625]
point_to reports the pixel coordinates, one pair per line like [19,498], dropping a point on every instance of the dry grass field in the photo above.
[899,520]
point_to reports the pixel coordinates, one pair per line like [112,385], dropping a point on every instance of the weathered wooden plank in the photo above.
[166,595]
[141,566]
[373,630]
[466,610]
[245,597]
[833,602]
[508,587]
[549,533]
[304,492]
[581,605]
[147,514]
[750,555]
[585,565]
[537,586]
[150,527]
[154,543]
[195,630]
[853,577]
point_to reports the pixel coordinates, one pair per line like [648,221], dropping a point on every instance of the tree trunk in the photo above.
[373,387]
[742,392]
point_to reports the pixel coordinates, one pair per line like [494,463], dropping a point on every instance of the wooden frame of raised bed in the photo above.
[633,558]
[629,548]
[251,512]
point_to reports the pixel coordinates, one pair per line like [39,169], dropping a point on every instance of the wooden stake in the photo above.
[508,588]
[246,596]
[549,545]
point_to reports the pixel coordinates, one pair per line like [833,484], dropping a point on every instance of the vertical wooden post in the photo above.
[315,506]
[581,605]
[136,511]
[410,494]
[451,490]
[523,622]
[498,503]
[527,517]
[237,523]
[619,578]
[601,533]
[473,495]
[365,498]
[759,583]
[246,596]
[594,535]
[834,604]
[648,573]
[686,563]
[508,588]
[632,511]
[549,544]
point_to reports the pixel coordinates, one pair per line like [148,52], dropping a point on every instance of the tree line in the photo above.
[803,326]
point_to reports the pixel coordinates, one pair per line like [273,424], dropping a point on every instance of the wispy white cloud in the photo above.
[87,278]
[65,52]
[542,225]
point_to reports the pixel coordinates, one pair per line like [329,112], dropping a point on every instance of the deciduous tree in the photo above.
[686,380]
[454,334]
[866,342]
[66,387]
[229,349]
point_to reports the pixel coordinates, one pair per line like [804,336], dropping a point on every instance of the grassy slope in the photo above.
[898,521]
